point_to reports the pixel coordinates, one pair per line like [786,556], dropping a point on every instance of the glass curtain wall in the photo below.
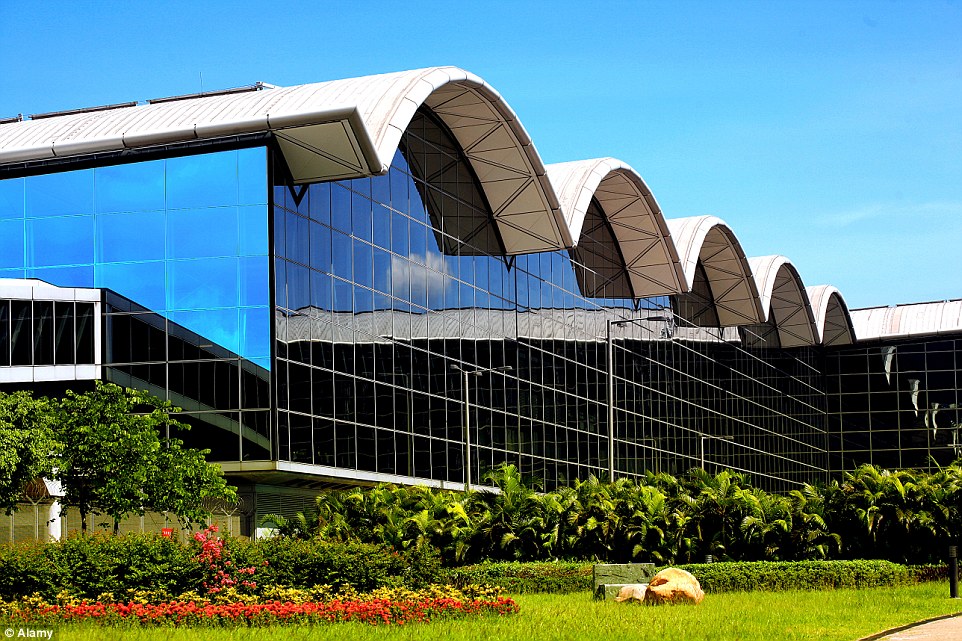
[182,246]
[895,404]
[385,285]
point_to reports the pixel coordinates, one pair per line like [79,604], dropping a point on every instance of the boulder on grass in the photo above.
[673,585]
[632,592]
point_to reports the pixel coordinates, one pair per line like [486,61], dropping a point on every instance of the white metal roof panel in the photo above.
[783,296]
[708,240]
[832,318]
[373,112]
[903,321]
[636,220]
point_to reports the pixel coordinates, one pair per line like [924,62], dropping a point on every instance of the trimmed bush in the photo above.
[88,566]
[933,572]
[303,564]
[519,578]
[772,576]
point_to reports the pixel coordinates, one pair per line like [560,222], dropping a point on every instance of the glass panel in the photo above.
[254,280]
[60,194]
[340,208]
[202,181]
[21,340]
[252,230]
[133,187]
[252,177]
[64,339]
[321,248]
[85,333]
[11,243]
[128,237]
[60,241]
[218,326]
[362,225]
[342,257]
[320,205]
[143,283]
[298,286]
[204,283]
[298,247]
[321,291]
[11,198]
[199,233]
[4,333]
[255,332]
[382,226]
[363,263]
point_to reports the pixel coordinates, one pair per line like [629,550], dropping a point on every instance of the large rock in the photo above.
[673,585]
[634,592]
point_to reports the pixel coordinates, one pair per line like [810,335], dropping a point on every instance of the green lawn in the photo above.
[843,614]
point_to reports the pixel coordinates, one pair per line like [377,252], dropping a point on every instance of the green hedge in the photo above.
[771,576]
[932,572]
[303,564]
[555,577]
[564,577]
[88,566]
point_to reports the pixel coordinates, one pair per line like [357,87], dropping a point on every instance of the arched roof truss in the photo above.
[708,241]
[331,131]
[831,315]
[633,220]
[784,300]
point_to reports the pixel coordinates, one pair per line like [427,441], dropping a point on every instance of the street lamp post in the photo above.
[610,362]
[465,377]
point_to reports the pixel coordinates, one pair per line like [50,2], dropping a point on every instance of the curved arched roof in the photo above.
[632,212]
[333,130]
[709,241]
[783,297]
[916,319]
[831,315]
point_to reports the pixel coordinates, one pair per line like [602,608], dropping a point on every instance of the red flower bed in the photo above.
[373,611]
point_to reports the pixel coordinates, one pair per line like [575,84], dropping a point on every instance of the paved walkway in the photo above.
[941,630]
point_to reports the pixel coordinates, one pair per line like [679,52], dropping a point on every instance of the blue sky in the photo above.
[830,132]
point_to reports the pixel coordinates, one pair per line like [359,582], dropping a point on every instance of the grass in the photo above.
[843,615]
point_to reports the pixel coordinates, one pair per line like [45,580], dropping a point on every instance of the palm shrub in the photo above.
[903,516]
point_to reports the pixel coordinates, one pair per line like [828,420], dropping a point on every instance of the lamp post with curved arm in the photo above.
[466,393]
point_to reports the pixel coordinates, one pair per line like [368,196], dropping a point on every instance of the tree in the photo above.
[183,482]
[26,444]
[115,461]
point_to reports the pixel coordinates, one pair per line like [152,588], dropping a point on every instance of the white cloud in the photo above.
[427,274]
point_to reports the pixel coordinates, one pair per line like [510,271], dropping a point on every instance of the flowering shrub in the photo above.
[216,560]
[384,607]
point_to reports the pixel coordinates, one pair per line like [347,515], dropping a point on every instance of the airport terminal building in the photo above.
[378,279]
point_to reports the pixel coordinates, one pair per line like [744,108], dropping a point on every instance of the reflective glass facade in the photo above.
[896,403]
[184,237]
[181,246]
[329,325]
[385,285]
